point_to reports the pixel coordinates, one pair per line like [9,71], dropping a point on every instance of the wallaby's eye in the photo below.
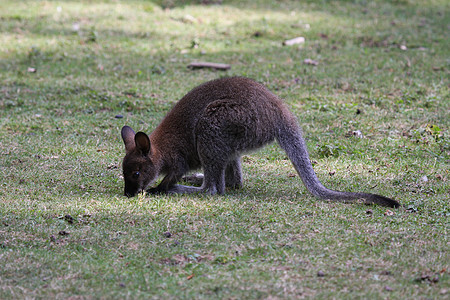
[136,175]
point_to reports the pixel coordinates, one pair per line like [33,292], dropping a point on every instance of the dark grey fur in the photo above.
[211,127]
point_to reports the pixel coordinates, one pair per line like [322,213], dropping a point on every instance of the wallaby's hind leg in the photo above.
[222,132]
[214,181]
[214,156]
[233,174]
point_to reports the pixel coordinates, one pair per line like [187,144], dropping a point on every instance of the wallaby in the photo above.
[211,127]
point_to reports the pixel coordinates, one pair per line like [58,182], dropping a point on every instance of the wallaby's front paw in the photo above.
[154,191]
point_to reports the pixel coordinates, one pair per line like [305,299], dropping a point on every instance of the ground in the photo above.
[369,85]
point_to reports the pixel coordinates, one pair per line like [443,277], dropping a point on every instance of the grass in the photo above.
[67,68]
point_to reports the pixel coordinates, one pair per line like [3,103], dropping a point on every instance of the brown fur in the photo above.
[210,127]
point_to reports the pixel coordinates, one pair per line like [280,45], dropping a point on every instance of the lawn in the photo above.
[369,85]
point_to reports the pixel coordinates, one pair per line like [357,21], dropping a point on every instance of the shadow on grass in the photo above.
[329,6]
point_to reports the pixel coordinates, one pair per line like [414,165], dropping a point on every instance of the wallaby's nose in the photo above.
[129,194]
[130,189]
[132,193]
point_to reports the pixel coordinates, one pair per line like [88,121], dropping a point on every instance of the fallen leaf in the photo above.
[440,177]
[411,209]
[408,63]
[357,133]
[389,213]
[294,41]
[189,19]
[76,26]
[429,277]
[69,219]
[311,62]
[257,34]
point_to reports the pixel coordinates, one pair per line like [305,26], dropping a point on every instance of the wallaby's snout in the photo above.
[128,194]
[135,183]
[130,191]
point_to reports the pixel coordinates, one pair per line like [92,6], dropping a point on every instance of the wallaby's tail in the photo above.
[291,140]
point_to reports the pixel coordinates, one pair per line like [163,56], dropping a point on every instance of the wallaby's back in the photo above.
[252,100]
[243,91]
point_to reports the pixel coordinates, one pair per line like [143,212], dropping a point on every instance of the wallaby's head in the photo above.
[138,168]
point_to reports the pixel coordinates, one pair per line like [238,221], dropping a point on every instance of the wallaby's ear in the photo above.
[128,138]
[142,142]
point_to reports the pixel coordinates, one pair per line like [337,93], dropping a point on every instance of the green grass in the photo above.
[66,231]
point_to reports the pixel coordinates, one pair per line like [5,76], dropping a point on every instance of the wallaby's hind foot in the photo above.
[233,174]
[175,189]
[183,189]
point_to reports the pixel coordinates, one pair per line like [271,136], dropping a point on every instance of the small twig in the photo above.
[201,65]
